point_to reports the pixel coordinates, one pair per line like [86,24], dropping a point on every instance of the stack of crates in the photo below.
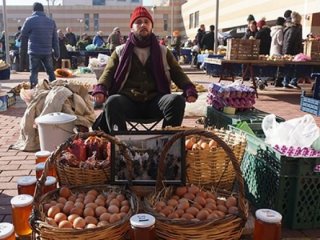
[288,185]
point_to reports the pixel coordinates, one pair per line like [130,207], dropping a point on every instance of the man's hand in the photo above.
[99,98]
[191,99]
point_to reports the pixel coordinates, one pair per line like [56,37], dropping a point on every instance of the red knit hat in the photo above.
[140,12]
[261,23]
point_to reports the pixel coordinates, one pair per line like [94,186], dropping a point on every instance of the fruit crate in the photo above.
[286,184]
[309,104]
[243,49]
[253,117]
[311,48]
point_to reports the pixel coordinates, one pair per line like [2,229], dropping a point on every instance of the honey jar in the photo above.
[26,185]
[267,225]
[40,169]
[50,184]
[41,156]
[21,210]
[7,231]
[142,227]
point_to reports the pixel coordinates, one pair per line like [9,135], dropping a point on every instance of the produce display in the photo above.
[91,153]
[82,210]
[235,95]
[193,203]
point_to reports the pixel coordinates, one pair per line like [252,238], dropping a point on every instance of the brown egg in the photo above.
[113,209]
[167,210]
[211,206]
[211,195]
[197,205]
[53,202]
[105,217]
[72,198]
[193,189]
[212,144]
[115,202]
[233,210]
[101,196]
[100,202]
[90,225]
[195,146]
[79,223]
[88,212]
[192,210]
[180,191]
[122,214]
[200,200]
[114,218]
[91,205]
[76,210]
[222,208]
[72,217]
[103,223]
[65,192]
[60,206]
[172,202]
[59,217]
[183,205]
[220,213]
[51,222]
[81,195]
[100,210]
[121,197]
[125,203]
[93,192]
[231,201]
[124,209]
[180,212]
[202,194]
[220,202]
[213,215]
[90,219]
[52,211]
[176,197]
[189,196]
[46,207]
[173,215]
[204,145]
[210,200]
[89,199]
[202,214]
[65,224]
[79,205]
[62,200]
[188,144]
[187,216]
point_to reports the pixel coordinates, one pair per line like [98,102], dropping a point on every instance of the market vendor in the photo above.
[136,81]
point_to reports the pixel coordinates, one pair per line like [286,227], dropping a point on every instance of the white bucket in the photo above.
[54,129]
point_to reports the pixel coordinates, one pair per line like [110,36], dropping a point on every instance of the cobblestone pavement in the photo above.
[14,164]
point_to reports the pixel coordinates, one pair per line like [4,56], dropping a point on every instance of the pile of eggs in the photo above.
[191,203]
[85,210]
[193,143]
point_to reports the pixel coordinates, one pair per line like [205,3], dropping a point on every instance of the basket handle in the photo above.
[50,161]
[226,148]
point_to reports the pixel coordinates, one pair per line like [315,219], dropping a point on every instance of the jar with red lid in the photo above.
[267,225]
[50,184]
[26,185]
[42,156]
[21,210]
[7,231]
[142,227]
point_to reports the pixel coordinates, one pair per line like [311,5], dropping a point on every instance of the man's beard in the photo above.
[142,38]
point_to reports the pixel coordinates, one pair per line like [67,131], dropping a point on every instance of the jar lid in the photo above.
[21,200]
[268,215]
[26,180]
[142,220]
[50,180]
[55,118]
[42,154]
[40,166]
[6,230]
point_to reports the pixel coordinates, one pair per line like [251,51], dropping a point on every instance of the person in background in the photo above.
[114,39]
[162,41]
[84,41]
[98,40]
[200,34]
[39,38]
[71,37]
[63,49]
[277,37]
[208,39]
[250,18]
[264,35]
[188,43]
[251,31]
[136,81]
[3,42]
[287,17]
[176,44]
[292,45]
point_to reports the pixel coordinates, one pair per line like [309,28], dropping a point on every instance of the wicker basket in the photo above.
[228,227]
[115,231]
[74,176]
[213,166]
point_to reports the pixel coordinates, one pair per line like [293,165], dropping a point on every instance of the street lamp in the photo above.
[80,22]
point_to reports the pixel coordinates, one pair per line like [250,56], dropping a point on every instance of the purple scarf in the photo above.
[156,61]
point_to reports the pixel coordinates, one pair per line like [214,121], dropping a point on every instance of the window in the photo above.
[135,1]
[98,2]
[86,21]
[191,21]
[165,22]
[96,22]
[196,19]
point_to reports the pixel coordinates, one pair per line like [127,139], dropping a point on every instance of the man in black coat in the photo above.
[208,39]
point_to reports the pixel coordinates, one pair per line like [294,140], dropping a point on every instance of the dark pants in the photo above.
[35,62]
[118,108]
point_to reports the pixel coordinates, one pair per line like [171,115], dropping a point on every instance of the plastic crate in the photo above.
[310,105]
[286,184]
[253,117]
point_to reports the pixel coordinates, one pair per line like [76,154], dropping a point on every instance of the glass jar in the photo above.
[50,184]
[267,225]
[21,210]
[142,227]
[7,231]
[40,169]
[42,156]
[26,185]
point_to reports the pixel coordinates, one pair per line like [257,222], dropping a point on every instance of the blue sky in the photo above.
[44,2]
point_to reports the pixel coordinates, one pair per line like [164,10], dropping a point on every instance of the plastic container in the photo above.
[54,129]
[40,169]
[50,184]
[7,231]
[42,156]
[21,210]
[26,185]
[267,225]
[142,227]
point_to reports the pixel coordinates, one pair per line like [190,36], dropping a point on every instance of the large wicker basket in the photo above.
[208,166]
[74,176]
[228,227]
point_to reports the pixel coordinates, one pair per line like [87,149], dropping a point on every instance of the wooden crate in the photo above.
[243,49]
[312,49]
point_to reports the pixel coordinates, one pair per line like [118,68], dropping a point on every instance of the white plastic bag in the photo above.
[297,132]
